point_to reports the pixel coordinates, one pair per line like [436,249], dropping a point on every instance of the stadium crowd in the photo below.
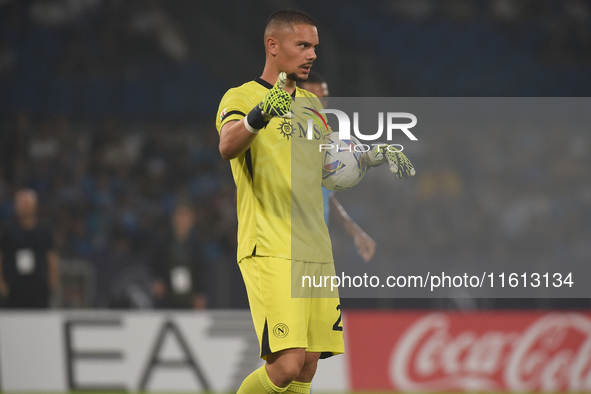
[109,167]
[111,189]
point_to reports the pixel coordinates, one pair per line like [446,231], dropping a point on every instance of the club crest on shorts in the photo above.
[280,330]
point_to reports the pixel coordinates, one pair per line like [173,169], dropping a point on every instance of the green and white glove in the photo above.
[397,161]
[276,104]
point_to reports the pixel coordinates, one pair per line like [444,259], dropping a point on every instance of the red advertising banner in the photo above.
[479,351]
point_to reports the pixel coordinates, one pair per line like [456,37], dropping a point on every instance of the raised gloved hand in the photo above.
[277,103]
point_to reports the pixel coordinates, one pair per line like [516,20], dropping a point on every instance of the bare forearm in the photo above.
[199,301]
[350,226]
[366,246]
[235,139]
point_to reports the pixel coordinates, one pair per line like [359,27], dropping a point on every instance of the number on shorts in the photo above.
[336,326]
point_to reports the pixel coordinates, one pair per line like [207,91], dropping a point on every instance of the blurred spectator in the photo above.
[44,145]
[179,264]
[29,261]
[122,276]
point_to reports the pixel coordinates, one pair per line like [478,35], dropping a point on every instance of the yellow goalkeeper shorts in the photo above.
[282,321]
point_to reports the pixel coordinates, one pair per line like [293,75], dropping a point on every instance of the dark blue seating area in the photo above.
[70,70]
[67,70]
[187,93]
[437,55]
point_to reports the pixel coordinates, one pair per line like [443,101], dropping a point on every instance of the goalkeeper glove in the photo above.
[397,161]
[277,103]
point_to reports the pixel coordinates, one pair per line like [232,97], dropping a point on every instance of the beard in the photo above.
[294,77]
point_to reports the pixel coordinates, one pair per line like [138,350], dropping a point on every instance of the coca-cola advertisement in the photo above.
[469,351]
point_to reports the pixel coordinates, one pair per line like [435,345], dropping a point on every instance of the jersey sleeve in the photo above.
[234,106]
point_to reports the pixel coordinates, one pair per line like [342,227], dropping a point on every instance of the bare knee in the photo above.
[309,368]
[285,366]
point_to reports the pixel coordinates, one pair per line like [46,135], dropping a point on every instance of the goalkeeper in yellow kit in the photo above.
[281,228]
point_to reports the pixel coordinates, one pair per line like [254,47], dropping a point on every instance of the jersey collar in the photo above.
[266,84]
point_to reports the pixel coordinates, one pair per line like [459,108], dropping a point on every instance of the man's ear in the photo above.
[272,45]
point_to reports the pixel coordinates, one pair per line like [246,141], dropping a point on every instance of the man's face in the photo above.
[183,219]
[297,52]
[25,203]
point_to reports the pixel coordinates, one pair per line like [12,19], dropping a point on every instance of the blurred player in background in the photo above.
[29,270]
[366,246]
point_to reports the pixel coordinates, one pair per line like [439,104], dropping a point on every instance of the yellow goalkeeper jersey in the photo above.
[278,179]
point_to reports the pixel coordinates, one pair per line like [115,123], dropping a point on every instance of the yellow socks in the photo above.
[258,382]
[299,388]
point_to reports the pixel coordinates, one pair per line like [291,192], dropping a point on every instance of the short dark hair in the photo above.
[291,16]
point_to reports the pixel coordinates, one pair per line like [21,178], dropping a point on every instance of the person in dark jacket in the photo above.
[179,265]
[29,262]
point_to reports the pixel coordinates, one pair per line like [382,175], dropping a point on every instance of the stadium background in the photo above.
[108,113]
